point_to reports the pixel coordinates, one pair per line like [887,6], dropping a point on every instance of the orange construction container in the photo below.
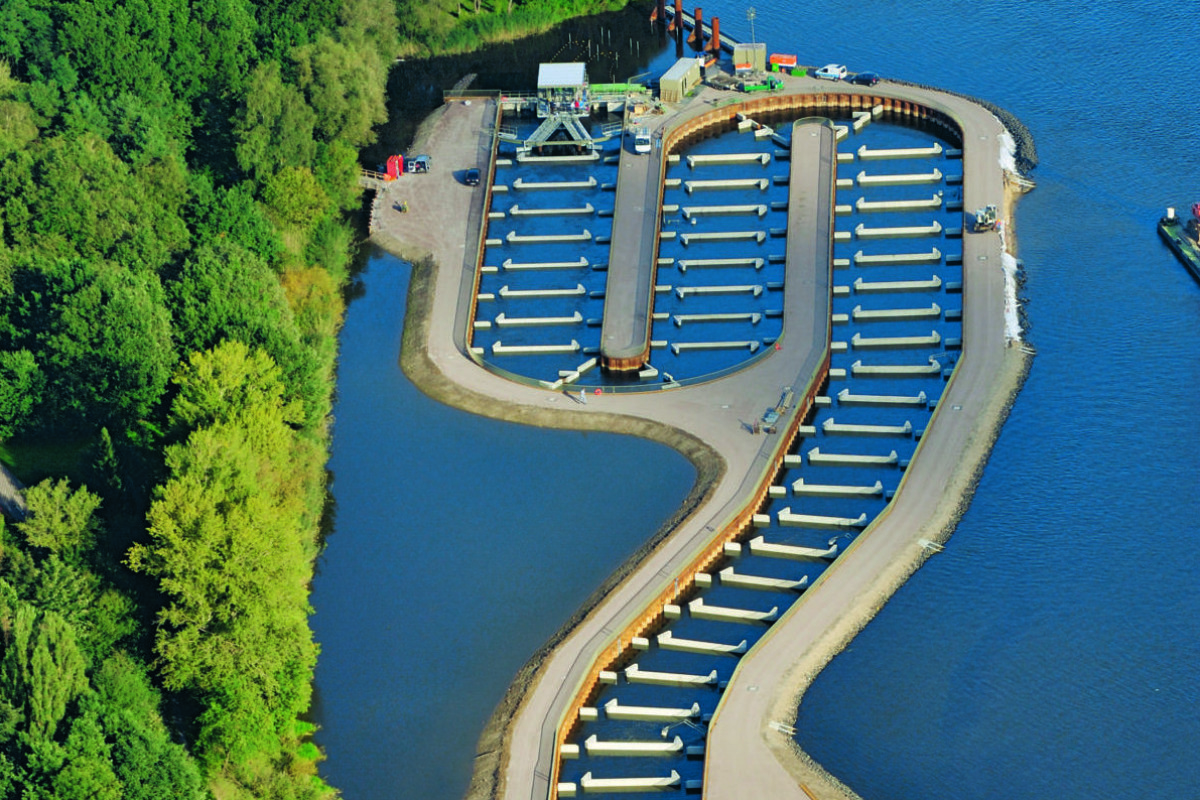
[395,167]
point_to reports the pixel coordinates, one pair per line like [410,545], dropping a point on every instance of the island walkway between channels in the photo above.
[633,254]
[808,271]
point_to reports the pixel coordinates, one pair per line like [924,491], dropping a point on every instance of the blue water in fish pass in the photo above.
[1050,652]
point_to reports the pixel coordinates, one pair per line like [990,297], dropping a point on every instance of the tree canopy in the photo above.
[176,180]
[223,545]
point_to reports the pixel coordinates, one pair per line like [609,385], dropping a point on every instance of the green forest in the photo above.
[442,27]
[179,213]
[178,184]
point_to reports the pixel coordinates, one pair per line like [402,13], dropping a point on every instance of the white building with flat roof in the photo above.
[562,88]
[679,80]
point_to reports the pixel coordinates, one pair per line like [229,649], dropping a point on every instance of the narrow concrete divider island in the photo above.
[714,424]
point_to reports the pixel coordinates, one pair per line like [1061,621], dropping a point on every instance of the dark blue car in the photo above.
[865,79]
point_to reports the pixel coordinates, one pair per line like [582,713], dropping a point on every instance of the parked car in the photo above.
[420,163]
[471,177]
[865,78]
[641,140]
[832,72]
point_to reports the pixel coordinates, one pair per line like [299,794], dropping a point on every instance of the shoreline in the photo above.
[423,362]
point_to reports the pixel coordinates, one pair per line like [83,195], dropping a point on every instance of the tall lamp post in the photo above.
[750,15]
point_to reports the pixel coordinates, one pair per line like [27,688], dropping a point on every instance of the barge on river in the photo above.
[1183,238]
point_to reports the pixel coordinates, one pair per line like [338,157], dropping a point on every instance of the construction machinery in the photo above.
[985,218]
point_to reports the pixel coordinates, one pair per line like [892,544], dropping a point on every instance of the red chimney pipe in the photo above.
[677,20]
[715,44]
[660,13]
[697,37]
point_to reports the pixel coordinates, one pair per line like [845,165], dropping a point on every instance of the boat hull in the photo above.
[1186,250]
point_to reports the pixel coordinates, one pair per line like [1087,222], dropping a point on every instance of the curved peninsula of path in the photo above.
[706,423]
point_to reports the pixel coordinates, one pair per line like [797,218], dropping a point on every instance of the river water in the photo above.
[459,546]
[1051,651]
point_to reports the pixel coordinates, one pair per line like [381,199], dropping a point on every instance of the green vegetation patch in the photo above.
[178,191]
[443,27]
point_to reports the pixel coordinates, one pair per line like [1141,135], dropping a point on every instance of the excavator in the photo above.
[985,218]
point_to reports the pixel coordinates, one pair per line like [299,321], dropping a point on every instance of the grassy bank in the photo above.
[449,27]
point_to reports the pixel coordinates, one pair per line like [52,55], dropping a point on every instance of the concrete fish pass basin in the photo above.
[895,312]
[649,708]
[718,283]
[800,508]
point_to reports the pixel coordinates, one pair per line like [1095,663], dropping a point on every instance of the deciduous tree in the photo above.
[104,341]
[61,519]
[20,390]
[275,129]
[230,542]
[42,671]
[222,292]
[295,197]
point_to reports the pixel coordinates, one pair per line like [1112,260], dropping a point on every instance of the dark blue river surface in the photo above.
[460,545]
[1052,651]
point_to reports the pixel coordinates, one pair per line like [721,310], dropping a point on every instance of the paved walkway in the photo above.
[740,764]
[12,501]
[746,756]
[625,334]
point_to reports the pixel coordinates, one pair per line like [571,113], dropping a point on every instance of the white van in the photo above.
[641,140]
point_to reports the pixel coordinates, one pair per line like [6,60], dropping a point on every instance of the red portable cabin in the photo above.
[783,60]
[395,167]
